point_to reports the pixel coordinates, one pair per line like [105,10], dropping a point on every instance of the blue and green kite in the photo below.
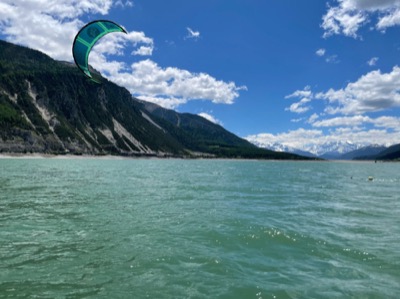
[86,39]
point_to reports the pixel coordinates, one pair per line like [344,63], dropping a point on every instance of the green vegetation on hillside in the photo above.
[50,107]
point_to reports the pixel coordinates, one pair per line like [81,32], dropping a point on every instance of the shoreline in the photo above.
[144,157]
[53,156]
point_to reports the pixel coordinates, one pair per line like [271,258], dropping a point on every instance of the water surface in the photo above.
[143,228]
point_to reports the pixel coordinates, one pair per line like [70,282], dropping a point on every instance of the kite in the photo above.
[85,40]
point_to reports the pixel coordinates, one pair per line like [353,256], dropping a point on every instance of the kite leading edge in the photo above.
[86,39]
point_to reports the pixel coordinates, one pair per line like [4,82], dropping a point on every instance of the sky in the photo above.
[299,73]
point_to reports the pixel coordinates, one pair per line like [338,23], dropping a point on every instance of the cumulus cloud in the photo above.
[143,51]
[373,92]
[389,20]
[313,118]
[346,121]
[320,52]
[348,16]
[116,43]
[304,93]
[387,122]
[340,20]
[170,86]
[51,31]
[300,107]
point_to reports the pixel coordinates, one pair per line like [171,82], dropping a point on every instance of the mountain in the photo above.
[335,149]
[327,150]
[390,153]
[48,106]
[340,151]
[278,147]
[369,150]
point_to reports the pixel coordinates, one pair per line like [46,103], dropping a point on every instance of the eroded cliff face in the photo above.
[62,113]
[43,120]
[22,136]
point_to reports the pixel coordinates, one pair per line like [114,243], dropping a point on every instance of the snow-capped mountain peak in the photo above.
[330,148]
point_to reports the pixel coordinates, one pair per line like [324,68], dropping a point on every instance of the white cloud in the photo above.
[373,92]
[168,87]
[101,64]
[210,118]
[305,93]
[300,107]
[341,20]
[389,20]
[192,33]
[313,118]
[143,51]
[388,122]
[171,86]
[320,52]
[116,43]
[373,61]
[348,16]
[347,121]
[51,31]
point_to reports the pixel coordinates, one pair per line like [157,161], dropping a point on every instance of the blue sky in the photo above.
[299,73]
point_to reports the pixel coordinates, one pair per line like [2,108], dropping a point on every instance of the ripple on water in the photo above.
[198,229]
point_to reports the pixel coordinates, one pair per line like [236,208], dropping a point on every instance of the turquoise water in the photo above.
[121,228]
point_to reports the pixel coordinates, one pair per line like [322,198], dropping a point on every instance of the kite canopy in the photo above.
[87,37]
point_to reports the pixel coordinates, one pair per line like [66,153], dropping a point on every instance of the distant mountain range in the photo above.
[390,153]
[328,150]
[341,151]
[366,151]
[47,106]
